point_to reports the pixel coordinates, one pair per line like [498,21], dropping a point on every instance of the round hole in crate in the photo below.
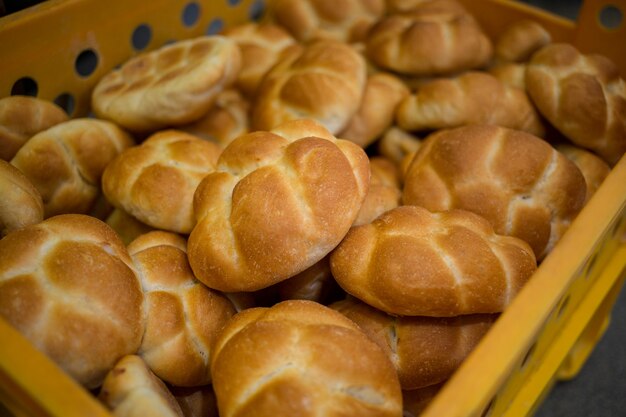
[256,10]
[66,102]
[611,17]
[86,62]
[215,26]
[233,3]
[563,306]
[25,86]
[191,14]
[141,37]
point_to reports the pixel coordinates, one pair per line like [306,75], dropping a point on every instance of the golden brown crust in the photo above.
[383,92]
[69,285]
[277,203]
[521,184]
[413,262]
[130,389]
[512,74]
[127,227]
[169,86]
[22,117]
[424,350]
[183,317]
[261,46]
[308,20]
[430,38]
[384,193]
[520,40]
[315,283]
[472,98]
[21,203]
[65,163]
[583,96]
[323,81]
[593,168]
[396,144]
[300,357]
[155,181]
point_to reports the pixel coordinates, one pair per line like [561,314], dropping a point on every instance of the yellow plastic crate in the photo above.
[61,48]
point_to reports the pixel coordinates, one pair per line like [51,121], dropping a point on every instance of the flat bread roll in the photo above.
[169,86]
[70,287]
[517,181]
[183,317]
[323,81]
[583,96]
[301,358]
[65,163]
[425,350]
[277,203]
[21,203]
[414,262]
[22,117]
[474,97]
[130,389]
[155,181]
[431,38]
[342,20]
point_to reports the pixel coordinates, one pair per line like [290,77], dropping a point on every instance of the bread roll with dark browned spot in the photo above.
[385,192]
[261,46]
[344,20]
[430,38]
[424,350]
[22,117]
[301,358]
[277,203]
[173,85]
[472,98]
[130,389]
[517,181]
[21,203]
[183,317]
[593,168]
[70,287]
[383,93]
[583,96]
[155,181]
[65,162]
[323,81]
[413,262]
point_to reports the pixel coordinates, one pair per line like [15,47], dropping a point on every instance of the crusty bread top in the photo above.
[21,203]
[301,358]
[21,117]
[413,262]
[277,203]
[69,285]
[520,40]
[593,168]
[172,85]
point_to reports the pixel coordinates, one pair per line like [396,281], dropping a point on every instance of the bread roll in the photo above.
[22,117]
[472,98]
[583,96]
[65,163]
[323,81]
[593,168]
[342,20]
[383,92]
[301,358]
[277,203]
[413,262]
[396,144]
[127,227]
[424,350]
[21,203]
[155,181]
[130,389]
[521,184]
[431,38]
[315,283]
[384,193]
[69,286]
[183,316]
[173,85]
[512,74]
[520,40]
[228,118]
[261,46]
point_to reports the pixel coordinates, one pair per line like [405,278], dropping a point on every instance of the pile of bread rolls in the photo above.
[320,214]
